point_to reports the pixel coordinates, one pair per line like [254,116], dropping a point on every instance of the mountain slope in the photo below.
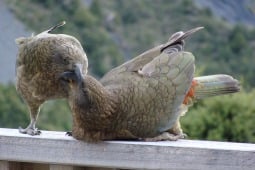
[11,28]
[234,11]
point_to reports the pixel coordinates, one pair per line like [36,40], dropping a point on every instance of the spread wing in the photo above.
[174,44]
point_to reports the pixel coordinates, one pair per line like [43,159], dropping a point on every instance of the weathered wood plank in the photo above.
[56,148]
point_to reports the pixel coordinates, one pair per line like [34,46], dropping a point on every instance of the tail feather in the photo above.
[214,85]
[209,86]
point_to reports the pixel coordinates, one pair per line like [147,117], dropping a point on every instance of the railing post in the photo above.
[9,165]
[67,167]
[64,167]
[4,165]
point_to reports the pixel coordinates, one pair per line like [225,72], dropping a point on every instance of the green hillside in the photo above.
[114,31]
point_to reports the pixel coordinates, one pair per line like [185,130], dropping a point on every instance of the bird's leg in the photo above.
[172,134]
[177,130]
[31,129]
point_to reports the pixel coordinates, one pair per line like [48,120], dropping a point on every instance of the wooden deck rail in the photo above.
[55,151]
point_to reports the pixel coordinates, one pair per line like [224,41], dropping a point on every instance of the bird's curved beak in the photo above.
[73,76]
[67,76]
[78,73]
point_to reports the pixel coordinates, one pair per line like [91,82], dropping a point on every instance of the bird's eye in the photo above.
[60,59]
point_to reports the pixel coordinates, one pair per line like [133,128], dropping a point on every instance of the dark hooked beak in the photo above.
[73,76]
[78,72]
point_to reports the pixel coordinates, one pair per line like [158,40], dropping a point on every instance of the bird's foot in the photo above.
[69,133]
[166,136]
[30,131]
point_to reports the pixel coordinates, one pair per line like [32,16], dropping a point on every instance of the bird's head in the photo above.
[66,51]
[52,53]
[66,57]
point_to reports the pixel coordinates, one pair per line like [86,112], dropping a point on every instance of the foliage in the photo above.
[12,109]
[227,118]
[55,115]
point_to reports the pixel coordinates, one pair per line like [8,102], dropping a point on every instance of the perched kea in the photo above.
[143,98]
[40,60]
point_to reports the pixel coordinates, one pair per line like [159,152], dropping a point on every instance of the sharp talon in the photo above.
[183,136]
[37,132]
[69,133]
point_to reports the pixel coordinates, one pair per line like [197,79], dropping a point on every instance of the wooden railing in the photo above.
[55,151]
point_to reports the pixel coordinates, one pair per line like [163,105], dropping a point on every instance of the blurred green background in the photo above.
[112,32]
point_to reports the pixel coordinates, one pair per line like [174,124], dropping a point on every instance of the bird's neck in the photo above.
[96,101]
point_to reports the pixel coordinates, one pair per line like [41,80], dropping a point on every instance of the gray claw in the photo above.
[69,133]
[30,131]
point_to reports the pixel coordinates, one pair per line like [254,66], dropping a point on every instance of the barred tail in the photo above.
[208,86]
[215,85]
